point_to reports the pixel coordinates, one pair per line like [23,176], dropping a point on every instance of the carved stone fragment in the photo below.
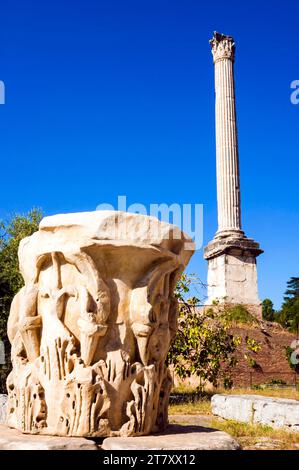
[91,328]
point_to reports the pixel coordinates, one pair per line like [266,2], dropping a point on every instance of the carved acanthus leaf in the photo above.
[223,47]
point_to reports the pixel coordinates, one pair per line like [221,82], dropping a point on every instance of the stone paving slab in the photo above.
[175,438]
[11,439]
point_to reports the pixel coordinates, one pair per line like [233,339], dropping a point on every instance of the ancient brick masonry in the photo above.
[271,360]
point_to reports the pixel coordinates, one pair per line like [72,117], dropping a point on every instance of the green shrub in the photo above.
[238,314]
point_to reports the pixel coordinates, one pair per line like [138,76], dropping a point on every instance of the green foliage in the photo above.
[252,344]
[268,311]
[289,314]
[203,343]
[227,382]
[257,387]
[292,288]
[251,361]
[11,233]
[277,382]
[238,314]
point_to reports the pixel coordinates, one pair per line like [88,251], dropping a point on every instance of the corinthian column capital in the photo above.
[223,47]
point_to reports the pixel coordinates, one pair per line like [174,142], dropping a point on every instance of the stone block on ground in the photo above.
[256,409]
[11,439]
[175,438]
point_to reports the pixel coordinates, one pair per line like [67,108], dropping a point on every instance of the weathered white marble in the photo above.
[3,408]
[256,409]
[91,328]
[233,279]
[232,274]
[228,184]
[12,439]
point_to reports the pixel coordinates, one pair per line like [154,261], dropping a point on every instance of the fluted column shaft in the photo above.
[228,179]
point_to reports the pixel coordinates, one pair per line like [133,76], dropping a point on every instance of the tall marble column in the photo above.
[232,275]
[228,179]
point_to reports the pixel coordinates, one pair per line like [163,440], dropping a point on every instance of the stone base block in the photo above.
[175,438]
[11,439]
[256,409]
[232,278]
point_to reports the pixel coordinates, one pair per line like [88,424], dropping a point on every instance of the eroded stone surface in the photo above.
[91,328]
[274,412]
[3,408]
[175,438]
[233,278]
[12,439]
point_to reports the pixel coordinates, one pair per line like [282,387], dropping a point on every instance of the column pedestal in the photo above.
[232,272]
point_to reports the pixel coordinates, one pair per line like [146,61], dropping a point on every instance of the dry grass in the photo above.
[267,392]
[258,436]
[183,388]
[202,407]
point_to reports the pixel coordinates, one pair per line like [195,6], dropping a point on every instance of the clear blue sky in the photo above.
[108,98]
